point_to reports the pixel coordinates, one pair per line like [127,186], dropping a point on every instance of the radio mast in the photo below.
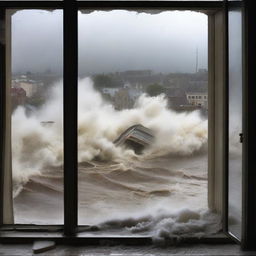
[196,60]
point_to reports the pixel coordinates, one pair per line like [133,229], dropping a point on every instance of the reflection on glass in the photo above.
[36,95]
[235,123]
[142,121]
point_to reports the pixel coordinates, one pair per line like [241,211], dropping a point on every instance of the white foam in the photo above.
[168,224]
[36,147]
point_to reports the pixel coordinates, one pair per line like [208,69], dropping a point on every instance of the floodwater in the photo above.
[161,192]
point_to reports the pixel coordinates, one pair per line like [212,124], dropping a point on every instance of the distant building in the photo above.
[140,78]
[110,91]
[134,93]
[198,83]
[122,99]
[18,97]
[202,71]
[198,99]
[134,86]
[137,73]
[30,86]
[176,98]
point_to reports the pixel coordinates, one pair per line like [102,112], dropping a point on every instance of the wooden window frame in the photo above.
[70,76]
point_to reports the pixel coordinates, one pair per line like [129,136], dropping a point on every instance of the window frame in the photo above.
[70,77]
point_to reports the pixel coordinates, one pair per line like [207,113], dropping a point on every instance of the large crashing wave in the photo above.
[36,147]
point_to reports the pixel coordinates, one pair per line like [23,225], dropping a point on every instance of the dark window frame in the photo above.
[70,75]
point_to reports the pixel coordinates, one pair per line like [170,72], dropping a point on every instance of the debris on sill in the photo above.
[43,246]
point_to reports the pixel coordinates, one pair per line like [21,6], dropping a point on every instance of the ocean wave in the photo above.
[35,147]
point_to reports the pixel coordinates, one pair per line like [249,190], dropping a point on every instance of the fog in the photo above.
[111,41]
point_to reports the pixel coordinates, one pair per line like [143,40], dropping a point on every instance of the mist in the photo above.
[111,41]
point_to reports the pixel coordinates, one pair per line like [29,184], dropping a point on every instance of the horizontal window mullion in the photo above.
[202,5]
[31,4]
[118,4]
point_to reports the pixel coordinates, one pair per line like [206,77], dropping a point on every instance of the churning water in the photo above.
[162,192]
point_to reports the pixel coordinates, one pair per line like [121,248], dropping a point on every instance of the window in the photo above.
[124,180]
[216,109]
[37,123]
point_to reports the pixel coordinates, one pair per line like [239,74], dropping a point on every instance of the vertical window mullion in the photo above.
[226,117]
[249,127]
[70,116]
[2,108]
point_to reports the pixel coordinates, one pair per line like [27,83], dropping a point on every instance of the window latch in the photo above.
[241,137]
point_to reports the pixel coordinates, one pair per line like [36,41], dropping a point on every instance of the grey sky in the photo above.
[112,41]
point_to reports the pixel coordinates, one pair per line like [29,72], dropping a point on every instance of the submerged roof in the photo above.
[136,136]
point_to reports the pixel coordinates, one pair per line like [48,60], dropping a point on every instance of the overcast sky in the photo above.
[111,41]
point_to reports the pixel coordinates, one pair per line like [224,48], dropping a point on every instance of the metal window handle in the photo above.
[241,137]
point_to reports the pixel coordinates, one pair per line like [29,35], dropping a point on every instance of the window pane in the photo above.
[235,122]
[36,94]
[142,122]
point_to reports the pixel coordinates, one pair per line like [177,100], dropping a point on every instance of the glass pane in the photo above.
[235,122]
[143,123]
[36,94]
